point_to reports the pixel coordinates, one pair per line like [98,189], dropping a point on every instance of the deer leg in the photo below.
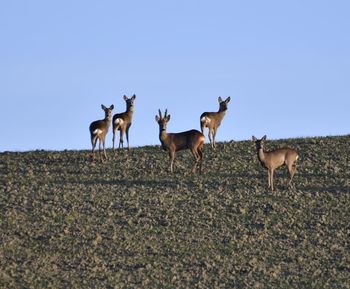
[200,154]
[209,136]
[292,170]
[93,143]
[104,148]
[172,158]
[214,135]
[202,127]
[100,148]
[114,132]
[271,176]
[121,140]
[127,137]
[196,156]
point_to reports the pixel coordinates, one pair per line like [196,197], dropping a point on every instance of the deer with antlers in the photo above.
[98,131]
[212,120]
[274,159]
[173,142]
[122,121]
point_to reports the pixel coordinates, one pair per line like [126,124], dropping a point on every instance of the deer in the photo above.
[212,120]
[272,160]
[98,130]
[122,121]
[173,142]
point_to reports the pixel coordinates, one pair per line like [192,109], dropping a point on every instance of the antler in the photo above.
[166,113]
[160,113]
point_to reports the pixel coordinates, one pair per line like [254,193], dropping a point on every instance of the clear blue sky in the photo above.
[285,64]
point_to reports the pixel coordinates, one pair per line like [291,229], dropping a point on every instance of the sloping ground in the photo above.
[127,223]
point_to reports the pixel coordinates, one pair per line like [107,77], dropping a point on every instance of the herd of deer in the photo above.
[191,139]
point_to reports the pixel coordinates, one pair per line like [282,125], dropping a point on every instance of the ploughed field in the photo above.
[128,223]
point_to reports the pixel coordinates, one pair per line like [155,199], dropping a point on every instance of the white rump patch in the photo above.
[98,131]
[119,121]
[205,120]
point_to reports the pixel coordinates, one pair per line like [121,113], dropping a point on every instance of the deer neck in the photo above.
[221,113]
[108,121]
[129,111]
[127,116]
[261,155]
[163,136]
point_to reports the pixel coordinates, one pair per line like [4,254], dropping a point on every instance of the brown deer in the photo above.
[98,130]
[173,142]
[212,120]
[122,121]
[276,158]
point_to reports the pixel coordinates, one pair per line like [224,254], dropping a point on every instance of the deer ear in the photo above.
[264,137]
[157,118]
[103,107]
[220,99]
[168,117]
[228,99]
[254,139]
[134,96]
[125,97]
[111,107]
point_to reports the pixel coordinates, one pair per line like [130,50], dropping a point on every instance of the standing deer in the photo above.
[173,142]
[276,158]
[212,120]
[122,121]
[98,130]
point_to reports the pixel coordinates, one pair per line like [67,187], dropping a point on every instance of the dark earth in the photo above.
[67,222]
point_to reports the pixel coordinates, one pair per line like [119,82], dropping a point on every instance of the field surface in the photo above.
[66,222]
